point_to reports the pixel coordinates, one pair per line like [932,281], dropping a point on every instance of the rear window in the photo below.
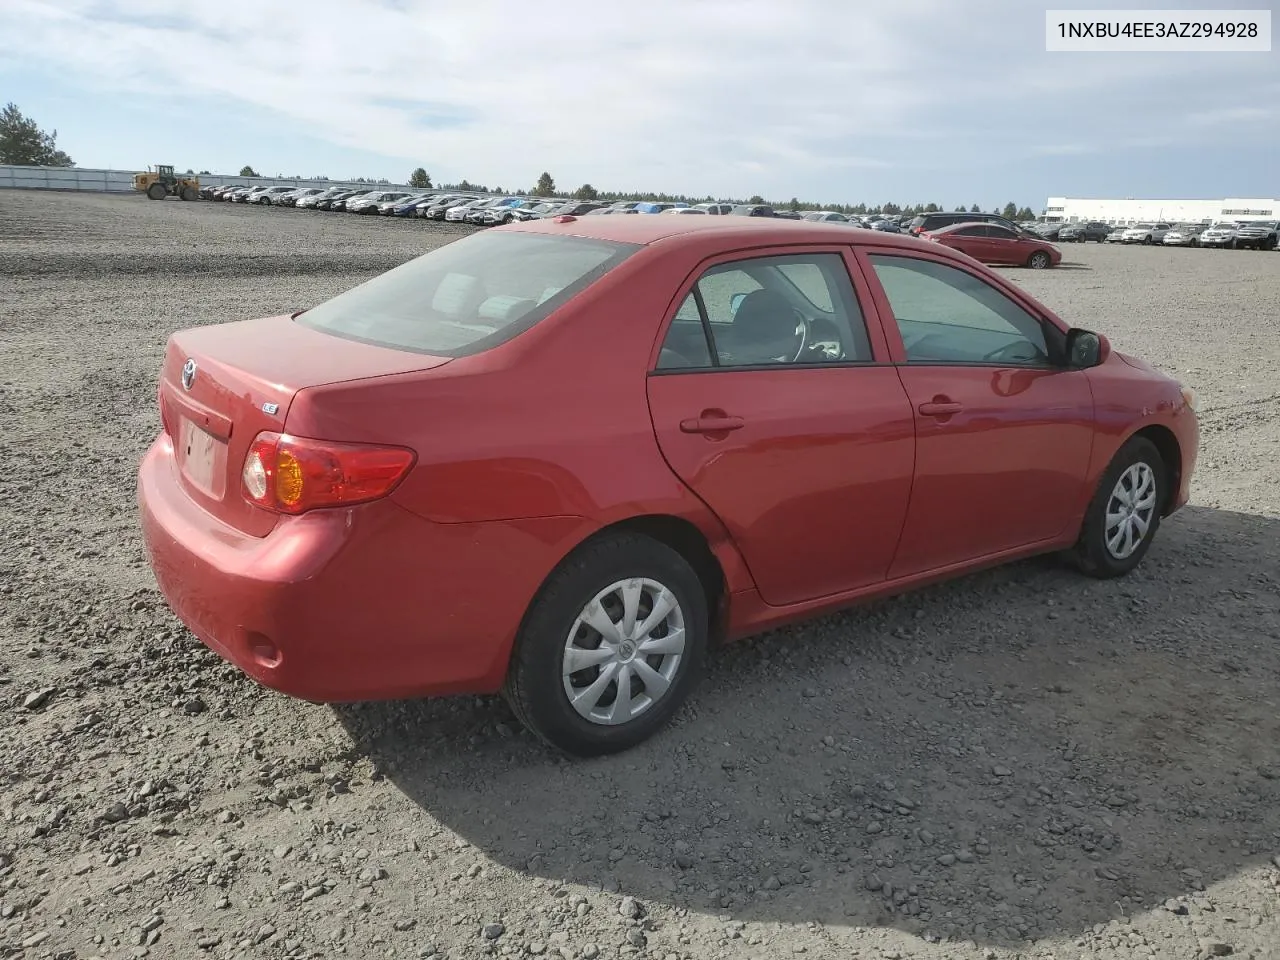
[469,295]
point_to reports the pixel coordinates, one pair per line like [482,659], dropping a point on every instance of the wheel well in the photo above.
[688,541]
[1171,454]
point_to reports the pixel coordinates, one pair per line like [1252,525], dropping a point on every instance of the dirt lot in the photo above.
[1023,763]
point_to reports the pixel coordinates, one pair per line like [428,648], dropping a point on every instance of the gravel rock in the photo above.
[1215,948]
[1086,751]
[37,699]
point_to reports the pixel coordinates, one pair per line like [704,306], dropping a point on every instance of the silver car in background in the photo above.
[1185,235]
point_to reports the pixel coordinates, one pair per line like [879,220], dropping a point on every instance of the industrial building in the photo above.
[1134,210]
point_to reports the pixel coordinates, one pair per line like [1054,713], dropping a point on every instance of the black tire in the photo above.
[157,191]
[535,684]
[1147,241]
[1039,260]
[190,193]
[1091,554]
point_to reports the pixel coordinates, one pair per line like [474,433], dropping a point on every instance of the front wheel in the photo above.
[612,646]
[190,193]
[1039,260]
[1124,514]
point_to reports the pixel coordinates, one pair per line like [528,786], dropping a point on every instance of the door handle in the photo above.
[940,408]
[719,423]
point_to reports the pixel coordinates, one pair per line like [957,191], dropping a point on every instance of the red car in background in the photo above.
[562,459]
[991,243]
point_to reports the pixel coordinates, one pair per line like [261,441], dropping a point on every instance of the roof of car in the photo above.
[953,227]
[648,228]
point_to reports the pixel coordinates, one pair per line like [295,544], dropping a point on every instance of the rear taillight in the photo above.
[296,474]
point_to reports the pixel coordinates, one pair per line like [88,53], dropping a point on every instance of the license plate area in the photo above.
[202,457]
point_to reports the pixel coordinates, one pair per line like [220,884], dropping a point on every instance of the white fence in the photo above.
[121,181]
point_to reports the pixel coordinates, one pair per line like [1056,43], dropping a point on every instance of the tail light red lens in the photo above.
[296,474]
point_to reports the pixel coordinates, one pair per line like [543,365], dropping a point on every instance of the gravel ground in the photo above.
[1021,763]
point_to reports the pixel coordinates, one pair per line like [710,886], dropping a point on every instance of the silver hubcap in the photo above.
[1130,510]
[623,652]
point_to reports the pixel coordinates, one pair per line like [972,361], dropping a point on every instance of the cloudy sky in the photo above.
[951,101]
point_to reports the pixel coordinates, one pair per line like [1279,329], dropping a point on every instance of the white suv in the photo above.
[1219,235]
[1146,233]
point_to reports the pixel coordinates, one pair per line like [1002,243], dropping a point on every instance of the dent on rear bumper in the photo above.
[368,602]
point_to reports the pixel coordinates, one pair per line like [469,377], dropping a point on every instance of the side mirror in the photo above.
[1086,349]
[735,302]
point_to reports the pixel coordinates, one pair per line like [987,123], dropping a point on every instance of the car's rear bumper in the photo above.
[368,602]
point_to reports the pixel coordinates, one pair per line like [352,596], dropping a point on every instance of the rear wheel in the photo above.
[611,648]
[157,191]
[1124,515]
[1039,260]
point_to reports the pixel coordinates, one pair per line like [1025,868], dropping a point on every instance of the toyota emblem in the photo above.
[188,374]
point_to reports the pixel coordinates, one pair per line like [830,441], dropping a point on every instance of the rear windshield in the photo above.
[469,295]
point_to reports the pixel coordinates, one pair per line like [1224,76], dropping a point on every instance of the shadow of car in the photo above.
[996,759]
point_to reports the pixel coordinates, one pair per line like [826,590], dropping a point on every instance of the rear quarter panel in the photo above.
[553,423]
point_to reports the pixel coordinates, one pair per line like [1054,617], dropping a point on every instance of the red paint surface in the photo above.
[833,486]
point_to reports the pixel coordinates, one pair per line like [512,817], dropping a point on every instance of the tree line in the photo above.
[23,142]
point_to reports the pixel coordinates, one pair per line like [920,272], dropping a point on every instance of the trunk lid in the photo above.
[242,379]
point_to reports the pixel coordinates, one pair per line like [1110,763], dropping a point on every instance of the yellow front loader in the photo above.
[165,183]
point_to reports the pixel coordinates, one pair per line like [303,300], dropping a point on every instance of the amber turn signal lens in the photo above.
[288,479]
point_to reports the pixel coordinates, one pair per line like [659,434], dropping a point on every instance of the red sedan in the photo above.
[991,243]
[562,459]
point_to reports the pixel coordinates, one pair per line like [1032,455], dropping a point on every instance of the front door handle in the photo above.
[940,408]
[712,423]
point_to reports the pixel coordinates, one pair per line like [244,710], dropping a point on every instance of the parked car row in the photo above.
[1257,235]
[487,211]
[455,207]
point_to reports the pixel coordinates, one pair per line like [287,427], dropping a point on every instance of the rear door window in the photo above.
[797,308]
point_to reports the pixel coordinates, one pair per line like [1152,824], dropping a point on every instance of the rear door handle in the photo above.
[940,408]
[712,424]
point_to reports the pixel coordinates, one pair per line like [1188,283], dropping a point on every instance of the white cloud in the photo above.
[736,96]
[1232,115]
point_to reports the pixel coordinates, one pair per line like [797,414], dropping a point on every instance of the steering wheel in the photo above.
[1008,348]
